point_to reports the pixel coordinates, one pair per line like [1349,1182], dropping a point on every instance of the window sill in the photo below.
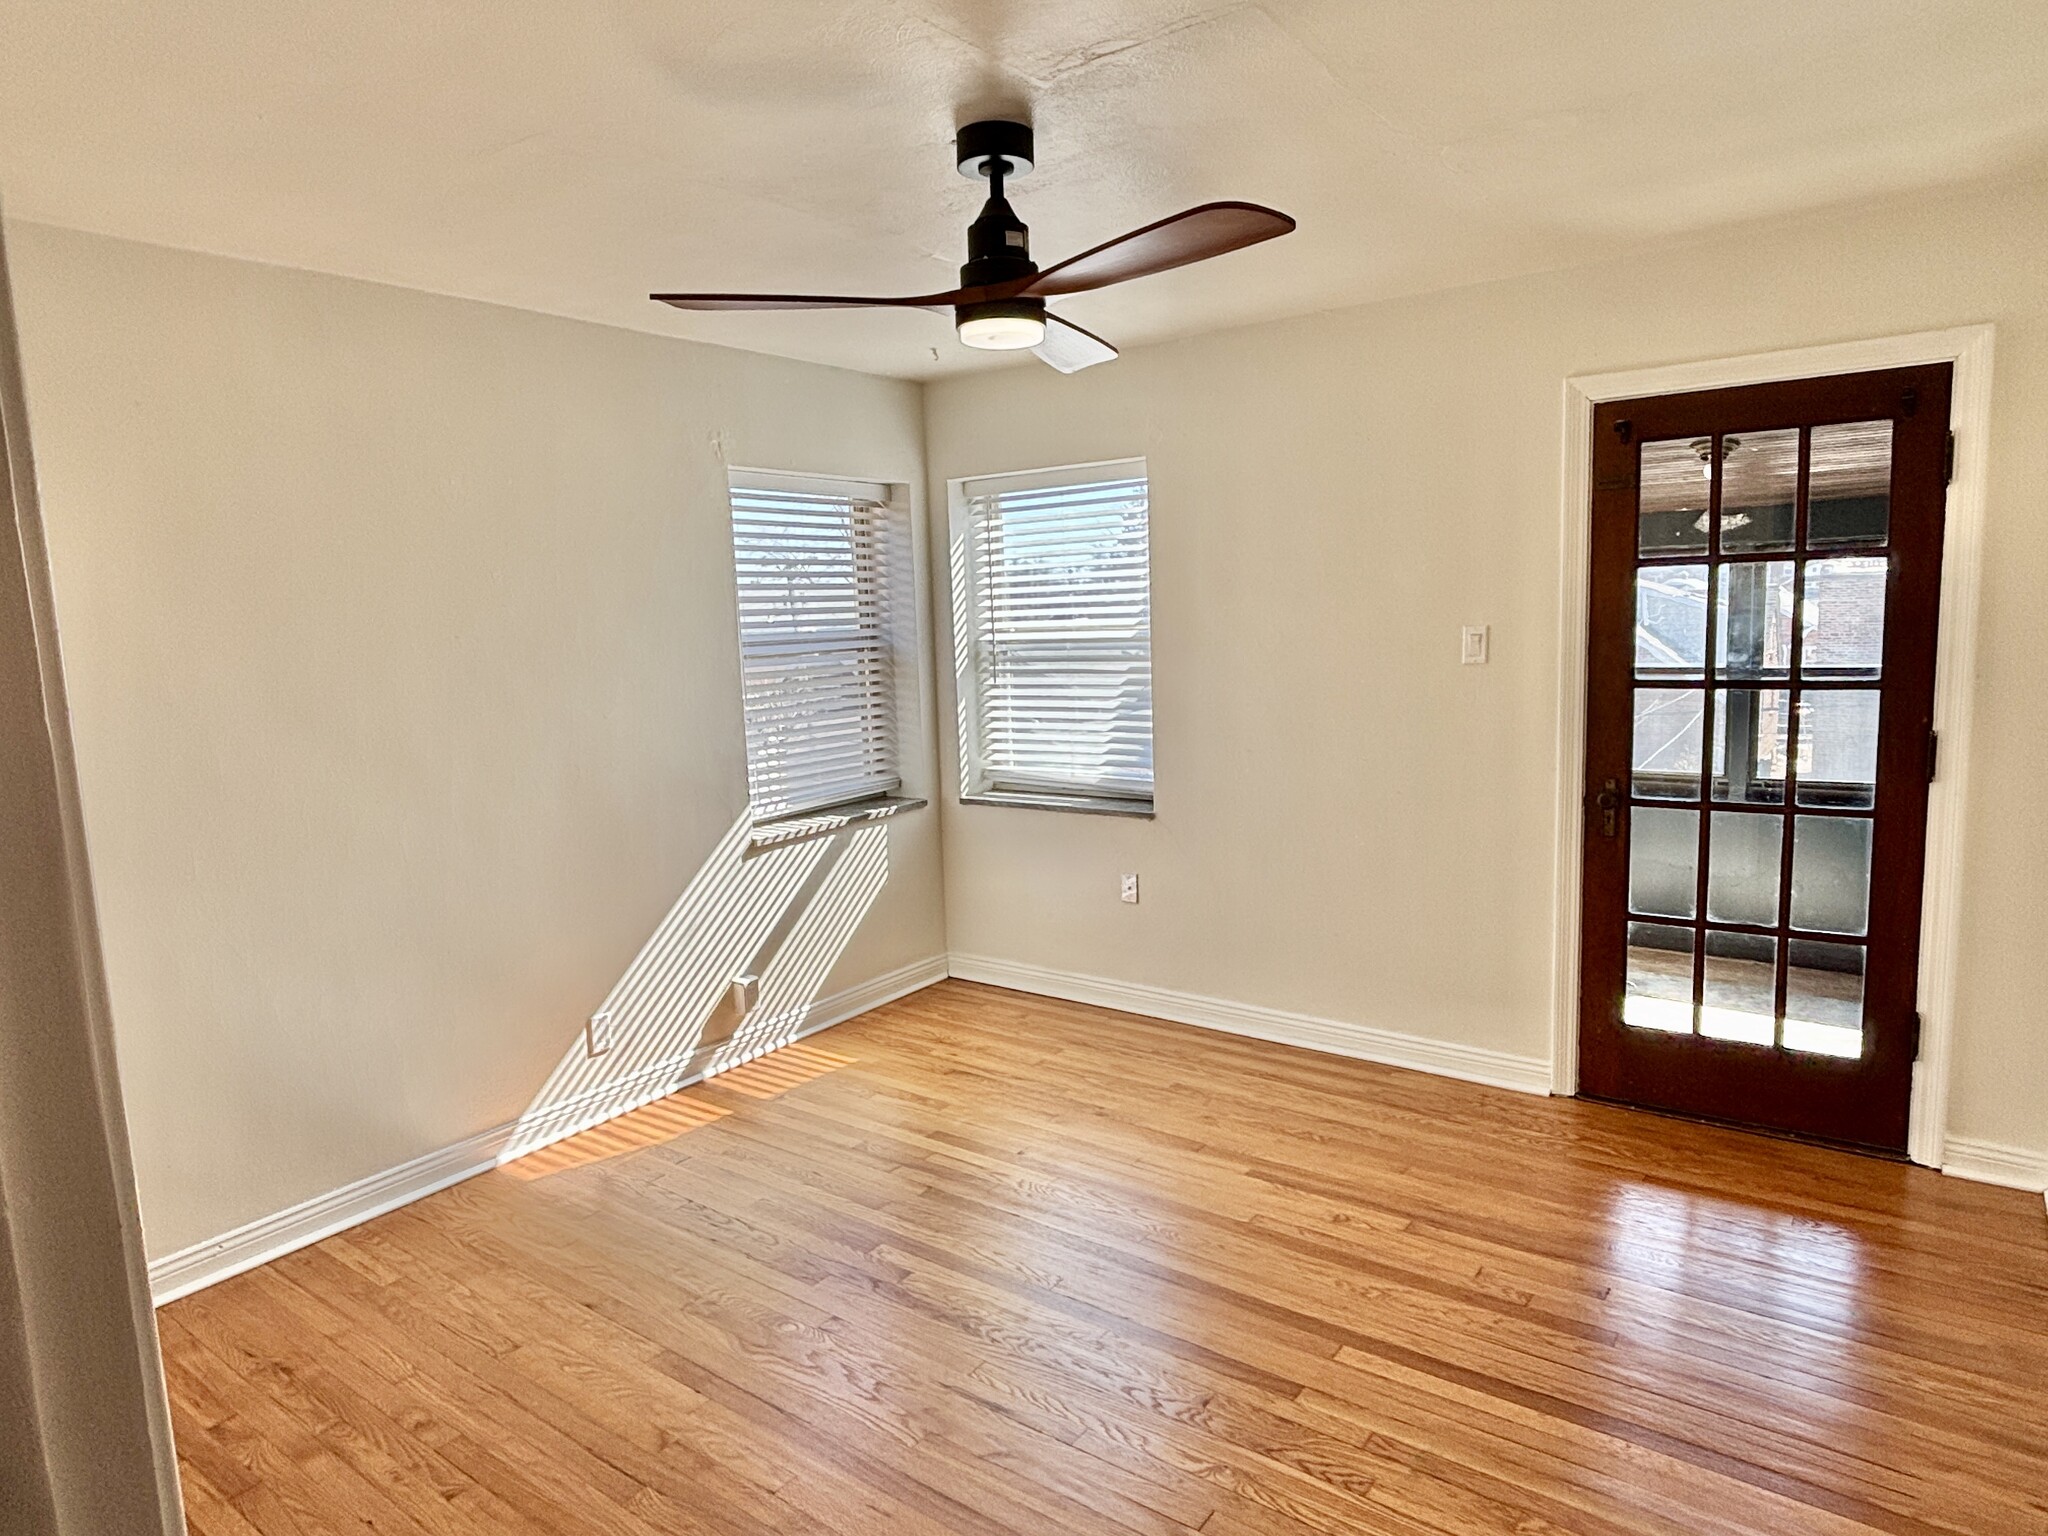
[786,831]
[1086,805]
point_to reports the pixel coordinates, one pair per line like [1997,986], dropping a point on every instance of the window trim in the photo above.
[892,503]
[1047,800]
[976,785]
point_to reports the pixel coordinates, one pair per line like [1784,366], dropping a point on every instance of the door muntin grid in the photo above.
[1761,571]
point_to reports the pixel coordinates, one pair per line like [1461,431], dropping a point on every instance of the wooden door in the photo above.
[1766,567]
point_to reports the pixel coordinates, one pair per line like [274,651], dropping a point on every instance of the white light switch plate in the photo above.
[1129,890]
[1472,642]
[597,1035]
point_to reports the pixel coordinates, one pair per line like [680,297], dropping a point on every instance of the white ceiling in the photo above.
[571,155]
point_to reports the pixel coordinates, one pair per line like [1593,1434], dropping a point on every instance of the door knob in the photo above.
[1609,802]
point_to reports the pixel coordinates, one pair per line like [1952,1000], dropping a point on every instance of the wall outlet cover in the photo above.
[1129,889]
[597,1034]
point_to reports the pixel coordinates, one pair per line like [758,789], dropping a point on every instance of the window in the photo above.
[812,561]
[1056,637]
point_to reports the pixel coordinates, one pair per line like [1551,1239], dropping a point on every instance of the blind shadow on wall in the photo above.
[783,915]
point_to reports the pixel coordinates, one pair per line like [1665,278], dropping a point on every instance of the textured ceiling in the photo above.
[570,155]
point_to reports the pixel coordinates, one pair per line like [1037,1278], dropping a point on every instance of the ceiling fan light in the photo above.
[1002,333]
[1001,325]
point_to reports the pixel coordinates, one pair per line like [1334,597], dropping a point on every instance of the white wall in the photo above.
[403,661]
[1350,824]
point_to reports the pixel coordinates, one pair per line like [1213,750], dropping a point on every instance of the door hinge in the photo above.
[1948,463]
[1933,755]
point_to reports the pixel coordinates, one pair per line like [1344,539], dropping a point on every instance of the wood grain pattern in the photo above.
[984,1264]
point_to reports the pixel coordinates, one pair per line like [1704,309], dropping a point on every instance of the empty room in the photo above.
[977,768]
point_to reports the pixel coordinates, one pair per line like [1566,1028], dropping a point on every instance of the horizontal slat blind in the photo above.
[1063,633]
[814,651]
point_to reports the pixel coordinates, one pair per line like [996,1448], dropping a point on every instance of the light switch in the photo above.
[1472,645]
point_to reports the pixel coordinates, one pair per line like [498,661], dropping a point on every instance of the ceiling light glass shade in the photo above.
[1002,333]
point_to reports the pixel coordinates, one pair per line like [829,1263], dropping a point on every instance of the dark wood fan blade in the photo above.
[1214,229]
[1070,349]
[801,301]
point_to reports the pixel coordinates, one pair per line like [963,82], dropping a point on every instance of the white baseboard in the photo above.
[269,1237]
[1471,1063]
[1991,1162]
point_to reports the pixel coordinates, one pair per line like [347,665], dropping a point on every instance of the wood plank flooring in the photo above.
[989,1264]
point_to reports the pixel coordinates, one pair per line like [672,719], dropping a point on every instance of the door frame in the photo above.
[1969,349]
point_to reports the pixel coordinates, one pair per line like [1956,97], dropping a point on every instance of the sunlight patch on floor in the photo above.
[771,1076]
[652,1125]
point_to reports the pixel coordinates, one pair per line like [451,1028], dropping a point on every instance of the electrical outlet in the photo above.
[1130,889]
[746,992]
[597,1034]
[1472,645]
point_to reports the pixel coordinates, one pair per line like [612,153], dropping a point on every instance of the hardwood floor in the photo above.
[991,1264]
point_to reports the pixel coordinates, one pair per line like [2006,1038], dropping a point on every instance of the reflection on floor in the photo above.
[1823,1009]
[988,1264]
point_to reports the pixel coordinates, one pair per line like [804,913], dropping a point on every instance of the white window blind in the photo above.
[812,569]
[1061,618]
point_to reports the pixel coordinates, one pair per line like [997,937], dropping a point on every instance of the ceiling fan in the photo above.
[1000,304]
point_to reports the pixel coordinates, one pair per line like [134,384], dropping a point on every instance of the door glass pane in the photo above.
[1669,723]
[1739,999]
[1838,747]
[1659,978]
[1831,874]
[1824,998]
[1742,868]
[1663,861]
[1751,726]
[1849,485]
[1672,504]
[1759,489]
[1671,621]
[1753,619]
[1842,618]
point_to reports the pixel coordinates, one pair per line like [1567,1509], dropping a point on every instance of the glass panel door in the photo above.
[1760,686]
